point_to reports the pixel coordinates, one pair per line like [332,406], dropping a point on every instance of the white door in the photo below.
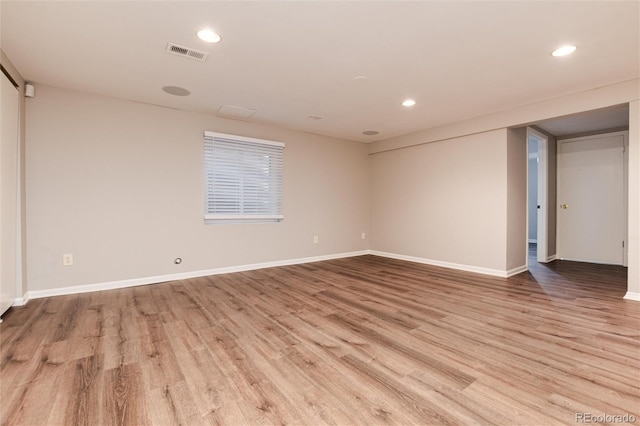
[591,199]
[9,123]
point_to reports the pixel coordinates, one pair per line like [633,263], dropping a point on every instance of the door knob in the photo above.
[564,206]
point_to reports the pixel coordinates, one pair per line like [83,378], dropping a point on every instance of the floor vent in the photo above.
[187,52]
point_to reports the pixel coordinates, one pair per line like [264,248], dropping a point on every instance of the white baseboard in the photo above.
[37,294]
[458,266]
[631,295]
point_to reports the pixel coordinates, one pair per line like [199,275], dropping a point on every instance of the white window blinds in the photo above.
[243,179]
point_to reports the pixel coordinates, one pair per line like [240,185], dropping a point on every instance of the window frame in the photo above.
[246,179]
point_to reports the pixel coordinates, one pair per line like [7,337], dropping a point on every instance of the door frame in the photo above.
[543,190]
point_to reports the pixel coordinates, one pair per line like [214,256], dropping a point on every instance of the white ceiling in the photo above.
[287,60]
[612,118]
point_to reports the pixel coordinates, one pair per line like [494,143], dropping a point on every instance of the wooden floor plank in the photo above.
[356,341]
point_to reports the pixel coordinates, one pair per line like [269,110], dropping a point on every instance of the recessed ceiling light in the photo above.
[176,91]
[360,78]
[408,103]
[371,132]
[564,50]
[208,36]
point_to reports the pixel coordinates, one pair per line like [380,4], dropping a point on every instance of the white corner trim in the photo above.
[21,301]
[111,285]
[517,270]
[631,295]
[458,266]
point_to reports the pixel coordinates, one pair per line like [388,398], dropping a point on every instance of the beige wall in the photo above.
[517,235]
[395,153]
[119,185]
[22,278]
[444,202]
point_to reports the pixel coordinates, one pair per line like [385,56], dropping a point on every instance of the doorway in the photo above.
[538,207]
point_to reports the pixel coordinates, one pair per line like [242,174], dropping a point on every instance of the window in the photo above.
[243,179]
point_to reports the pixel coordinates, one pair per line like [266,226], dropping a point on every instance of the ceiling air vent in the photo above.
[187,52]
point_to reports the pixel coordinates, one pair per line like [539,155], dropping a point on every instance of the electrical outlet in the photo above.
[363,236]
[67,259]
[315,239]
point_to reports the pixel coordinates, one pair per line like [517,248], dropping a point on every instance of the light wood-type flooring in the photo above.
[357,341]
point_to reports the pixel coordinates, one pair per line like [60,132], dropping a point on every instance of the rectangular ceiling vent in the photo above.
[237,112]
[187,52]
